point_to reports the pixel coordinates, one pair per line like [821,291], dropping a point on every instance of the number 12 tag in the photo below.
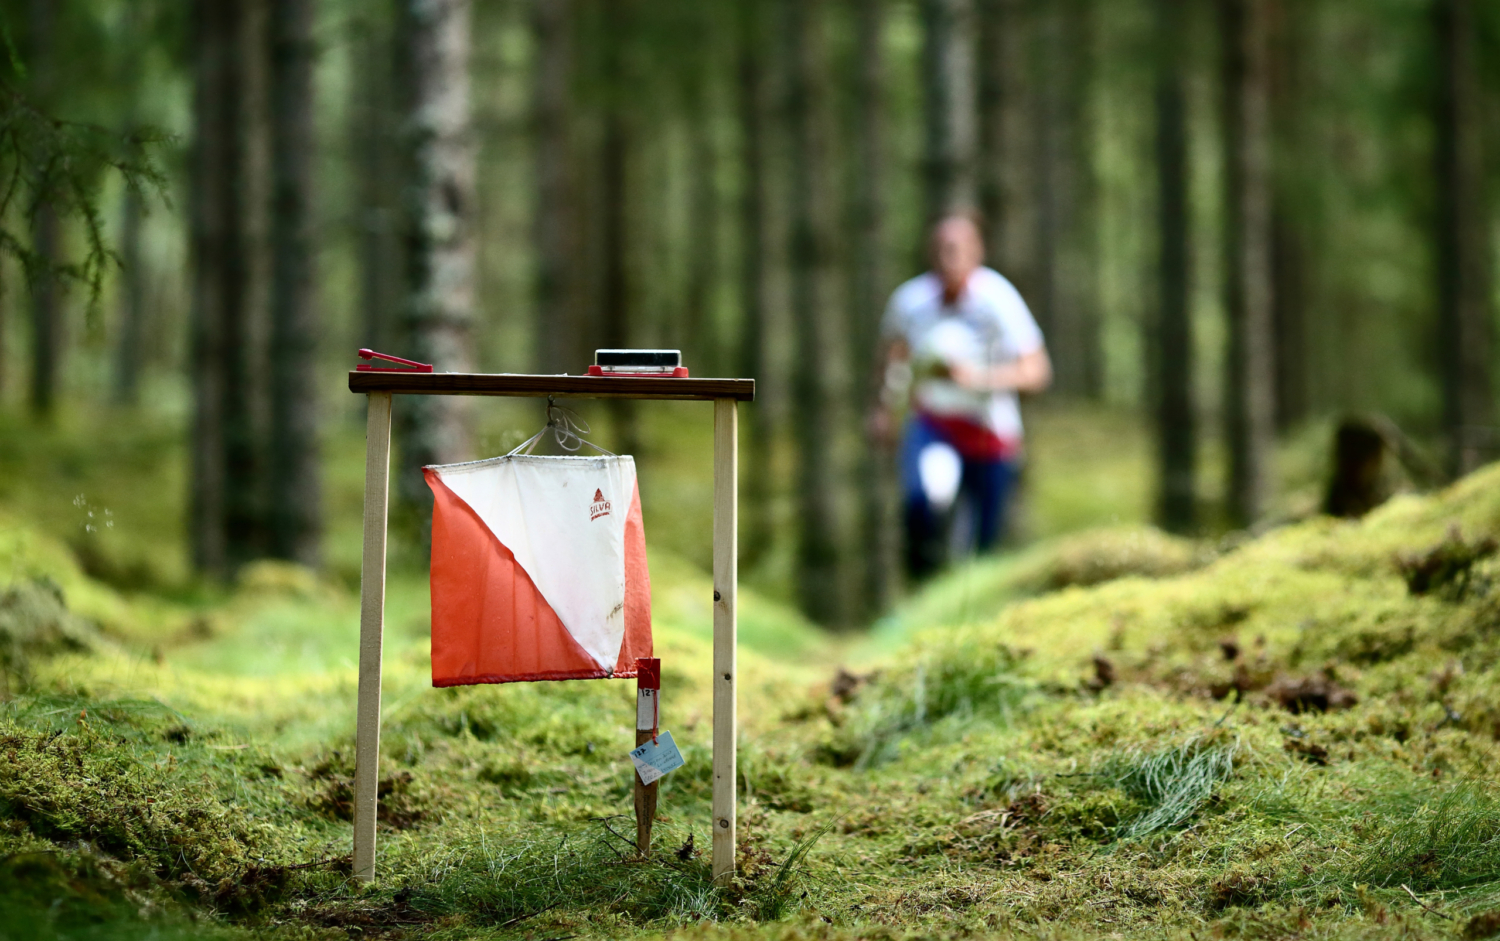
[655,759]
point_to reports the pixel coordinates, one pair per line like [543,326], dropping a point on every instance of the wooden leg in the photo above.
[645,803]
[371,633]
[726,583]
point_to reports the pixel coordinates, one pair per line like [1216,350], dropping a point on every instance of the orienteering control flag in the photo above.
[538,570]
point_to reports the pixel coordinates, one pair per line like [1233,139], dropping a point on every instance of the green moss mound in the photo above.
[1117,734]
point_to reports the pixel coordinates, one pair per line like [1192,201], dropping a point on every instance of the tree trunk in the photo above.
[880,536]
[46,330]
[372,135]
[614,156]
[295,510]
[948,98]
[437,313]
[128,347]
[5,299]
[217,265]
[557,330]
[1287,242]
[1079,271]
[1463,251]
[1007,193]
[1250,397]
[1053,179]
[703,250]
[815,401]
[1170,344]
[755,513]
[247,344]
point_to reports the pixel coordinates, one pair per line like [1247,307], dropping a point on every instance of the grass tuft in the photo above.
[1174,783]
[1450,842]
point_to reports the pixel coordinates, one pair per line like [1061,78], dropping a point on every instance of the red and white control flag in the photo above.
[538,570]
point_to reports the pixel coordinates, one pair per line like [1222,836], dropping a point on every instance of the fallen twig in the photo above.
[1424,904]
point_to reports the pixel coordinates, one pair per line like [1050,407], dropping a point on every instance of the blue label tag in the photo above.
[654,759]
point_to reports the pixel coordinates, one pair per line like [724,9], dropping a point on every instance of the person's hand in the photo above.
[971,378]
[881,426]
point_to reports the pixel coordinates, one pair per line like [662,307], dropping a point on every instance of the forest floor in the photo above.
[1113,733]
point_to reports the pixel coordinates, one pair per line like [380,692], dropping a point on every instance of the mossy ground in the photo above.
[1112,734]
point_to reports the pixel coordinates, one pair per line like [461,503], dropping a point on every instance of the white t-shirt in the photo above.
[989,324]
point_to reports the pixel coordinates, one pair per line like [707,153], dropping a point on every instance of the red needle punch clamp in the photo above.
[407,365]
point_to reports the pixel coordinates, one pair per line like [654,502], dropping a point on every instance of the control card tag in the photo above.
[654,759]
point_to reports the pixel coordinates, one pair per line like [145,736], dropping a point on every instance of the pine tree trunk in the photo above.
[1463,249]
[949,102]
[1081,264]
[614,155]
[1056,171]
[557,342]
[755,511]
[295,505]
[46,328]
[819,587]
[1287,242]
[129,345]
[1170,343]
[372,137]
[703,250]
[217,266]
[1005,171]
[880,536]
[5,298]
[1250,397]
[437,312]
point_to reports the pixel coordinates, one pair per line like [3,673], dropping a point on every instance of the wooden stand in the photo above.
[647,721]
[379,386]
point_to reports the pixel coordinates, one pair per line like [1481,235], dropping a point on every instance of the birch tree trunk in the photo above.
[1463,249]
[556,325]
[295,504]
[432,42]
[949,101]
[1169,343]
[1250,397]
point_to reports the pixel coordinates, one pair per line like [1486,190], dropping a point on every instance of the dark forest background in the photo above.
[1235,221]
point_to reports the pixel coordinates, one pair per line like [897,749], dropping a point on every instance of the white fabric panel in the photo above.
[543,510]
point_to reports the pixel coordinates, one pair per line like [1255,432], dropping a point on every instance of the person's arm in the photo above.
[893,354]
[1029,372]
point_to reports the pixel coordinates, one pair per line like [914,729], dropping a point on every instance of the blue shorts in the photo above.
[983,493]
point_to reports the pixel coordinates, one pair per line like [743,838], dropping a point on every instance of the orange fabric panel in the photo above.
[489,622]
[637,642]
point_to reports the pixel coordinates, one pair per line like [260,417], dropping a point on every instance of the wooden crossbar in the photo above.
[581,387]
[724,393]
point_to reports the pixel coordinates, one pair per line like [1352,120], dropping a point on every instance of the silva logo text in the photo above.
[600,506]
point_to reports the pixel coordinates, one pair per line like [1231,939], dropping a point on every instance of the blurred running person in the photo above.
[961,342]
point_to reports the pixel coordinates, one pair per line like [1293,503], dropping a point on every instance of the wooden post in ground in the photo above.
[371,633]
[647,719]
[726,584]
